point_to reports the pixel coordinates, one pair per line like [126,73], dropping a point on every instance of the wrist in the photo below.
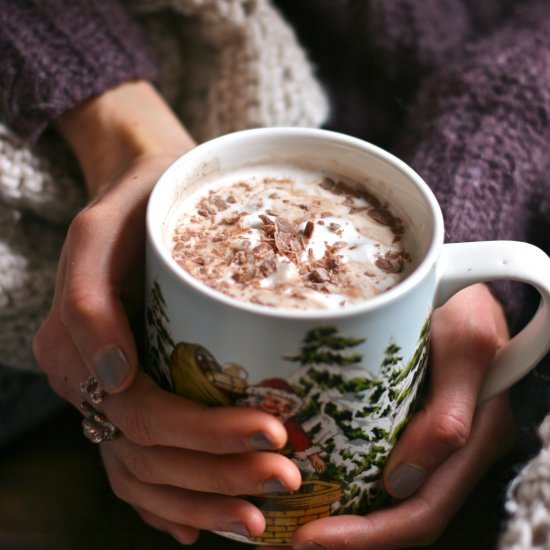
[108,132]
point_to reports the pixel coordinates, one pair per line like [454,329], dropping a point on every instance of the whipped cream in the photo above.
[287,237]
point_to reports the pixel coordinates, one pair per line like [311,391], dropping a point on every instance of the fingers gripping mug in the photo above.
[343,378]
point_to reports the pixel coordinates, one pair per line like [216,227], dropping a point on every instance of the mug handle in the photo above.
[463,264]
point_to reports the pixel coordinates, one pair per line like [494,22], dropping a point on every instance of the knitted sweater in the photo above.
[459,89]
[222,66]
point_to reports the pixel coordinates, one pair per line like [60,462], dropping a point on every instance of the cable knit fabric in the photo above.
[528,502]
[224,65]
[458,88]
[38,197]
[241,66]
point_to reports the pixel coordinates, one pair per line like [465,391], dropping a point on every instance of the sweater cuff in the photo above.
[57,54]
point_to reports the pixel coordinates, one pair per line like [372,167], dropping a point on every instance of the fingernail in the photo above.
[274,485]
[111,368]
[239,529]
[310,545]
[405,480]
[261,442]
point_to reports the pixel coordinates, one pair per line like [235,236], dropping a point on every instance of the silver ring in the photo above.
[96,427]
[92,389]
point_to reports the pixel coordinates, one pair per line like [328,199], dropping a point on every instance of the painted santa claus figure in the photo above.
[276,396]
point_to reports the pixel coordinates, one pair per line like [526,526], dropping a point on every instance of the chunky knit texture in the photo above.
[223,66]
[528,502]
[458,88]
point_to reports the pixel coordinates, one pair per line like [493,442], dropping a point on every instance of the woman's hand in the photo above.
[447,446]
[177,463]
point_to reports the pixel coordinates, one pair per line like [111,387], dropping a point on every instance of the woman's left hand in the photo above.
[448,445]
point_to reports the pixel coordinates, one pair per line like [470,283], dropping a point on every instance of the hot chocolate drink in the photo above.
[287,237]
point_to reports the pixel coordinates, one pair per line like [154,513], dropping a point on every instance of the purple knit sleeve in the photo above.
[480,134]
[58,53]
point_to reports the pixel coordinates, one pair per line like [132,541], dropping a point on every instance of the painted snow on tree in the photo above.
[352,414]
[352,411]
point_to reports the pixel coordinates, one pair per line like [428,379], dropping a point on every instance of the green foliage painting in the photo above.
[160,343]
[353,415]
[352,412]
[324,346]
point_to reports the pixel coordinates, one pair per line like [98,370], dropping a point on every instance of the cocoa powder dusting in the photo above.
[235,240]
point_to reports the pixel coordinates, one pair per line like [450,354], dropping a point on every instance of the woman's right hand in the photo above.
[179,464]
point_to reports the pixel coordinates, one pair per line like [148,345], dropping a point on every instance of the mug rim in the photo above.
[196,157]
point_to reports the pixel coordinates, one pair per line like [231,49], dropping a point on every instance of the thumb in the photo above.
[463,344]
[101,249]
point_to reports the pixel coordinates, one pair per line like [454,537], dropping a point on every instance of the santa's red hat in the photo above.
[276,386]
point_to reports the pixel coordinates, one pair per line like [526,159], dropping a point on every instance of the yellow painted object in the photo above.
[189,380]
[285,513]
[232,378]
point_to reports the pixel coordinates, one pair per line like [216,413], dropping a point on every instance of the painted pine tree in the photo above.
[323,345]
[407,383]
[160,343]
[353,415]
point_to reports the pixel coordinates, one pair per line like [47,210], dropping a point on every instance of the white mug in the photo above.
[349,377]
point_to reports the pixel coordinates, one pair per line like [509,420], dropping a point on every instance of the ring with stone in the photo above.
[92,389]
[96,427]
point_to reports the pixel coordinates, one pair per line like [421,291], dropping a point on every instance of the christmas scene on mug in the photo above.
[342,416]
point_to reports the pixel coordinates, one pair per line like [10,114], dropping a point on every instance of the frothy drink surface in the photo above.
[289,238]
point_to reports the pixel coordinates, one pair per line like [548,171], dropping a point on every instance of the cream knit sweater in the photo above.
[224,66]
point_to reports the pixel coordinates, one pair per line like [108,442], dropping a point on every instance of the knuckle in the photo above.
[224,484]
[483,338]
[137,427]
[475,332]
[477,336]
[80,299]
[203,430]
[82,225]
[139,465]
[451,429]
[79,303]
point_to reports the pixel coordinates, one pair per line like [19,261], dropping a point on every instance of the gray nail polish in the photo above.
[274,485]
[239,529]
[111,367]
[261,442]
[405,480]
